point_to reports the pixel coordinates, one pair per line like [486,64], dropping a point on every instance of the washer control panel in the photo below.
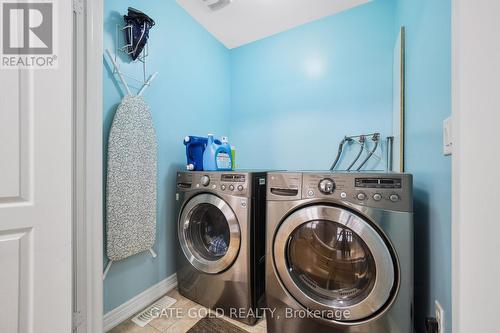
[225,183]
[392,191]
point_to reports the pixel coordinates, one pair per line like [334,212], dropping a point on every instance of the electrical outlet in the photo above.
[439,317]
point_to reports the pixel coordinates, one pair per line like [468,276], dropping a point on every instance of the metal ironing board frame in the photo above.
[121,76]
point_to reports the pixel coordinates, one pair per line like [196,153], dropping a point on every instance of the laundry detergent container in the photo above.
[195,147]
[217,155]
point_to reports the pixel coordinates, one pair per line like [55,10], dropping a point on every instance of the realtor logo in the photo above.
[27,34]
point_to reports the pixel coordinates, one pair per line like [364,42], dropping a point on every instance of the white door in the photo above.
[36,187]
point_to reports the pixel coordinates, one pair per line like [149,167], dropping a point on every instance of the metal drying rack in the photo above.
[126,48]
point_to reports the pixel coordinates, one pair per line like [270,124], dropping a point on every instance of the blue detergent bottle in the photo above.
[195,146]
[227,147]
[216,157]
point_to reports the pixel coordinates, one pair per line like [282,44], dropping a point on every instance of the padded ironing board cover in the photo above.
[131,180]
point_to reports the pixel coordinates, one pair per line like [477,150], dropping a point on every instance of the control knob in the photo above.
[394,197]
[205,180]
[326,186]
[361,196]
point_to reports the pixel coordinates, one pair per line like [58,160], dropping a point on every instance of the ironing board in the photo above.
[131,184]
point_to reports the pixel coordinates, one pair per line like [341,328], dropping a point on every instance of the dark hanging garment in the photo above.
[140,24]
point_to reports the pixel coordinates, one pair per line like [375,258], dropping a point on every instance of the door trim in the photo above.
[201,264]
[475,102]
[387,279]
[88,175]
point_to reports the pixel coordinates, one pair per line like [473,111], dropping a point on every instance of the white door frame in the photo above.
[476,156]
[88,167]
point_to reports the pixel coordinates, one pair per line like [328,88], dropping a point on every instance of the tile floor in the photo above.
[181,324]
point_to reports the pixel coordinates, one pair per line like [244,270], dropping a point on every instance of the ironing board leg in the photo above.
[108,266]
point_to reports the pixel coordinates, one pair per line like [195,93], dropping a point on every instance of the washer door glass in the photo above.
[209,232]
[330,261]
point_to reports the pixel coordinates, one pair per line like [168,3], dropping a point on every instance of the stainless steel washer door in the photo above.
[335,264]
[209,233]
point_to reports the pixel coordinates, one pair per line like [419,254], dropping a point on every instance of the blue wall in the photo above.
[296,94]
[428,103]
[189,96]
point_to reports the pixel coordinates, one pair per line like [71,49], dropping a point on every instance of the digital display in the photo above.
[233,178]
[378,182]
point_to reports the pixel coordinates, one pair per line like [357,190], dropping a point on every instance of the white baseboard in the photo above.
[128,309]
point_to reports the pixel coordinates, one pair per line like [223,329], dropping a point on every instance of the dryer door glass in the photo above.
[209,232]
[334,261]
[331,262]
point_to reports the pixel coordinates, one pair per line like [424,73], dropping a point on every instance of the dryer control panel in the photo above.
[391,191]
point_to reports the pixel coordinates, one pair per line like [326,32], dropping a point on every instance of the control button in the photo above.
[214,186]
[343,195]
[377,197]
[394,197]
[310,193]
[223,187]
[231,187]
[205,180]
[361,196]
[243,203]
[326,186]
[240,188]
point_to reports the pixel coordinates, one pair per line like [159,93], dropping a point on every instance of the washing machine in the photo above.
[339,252]
[221,234]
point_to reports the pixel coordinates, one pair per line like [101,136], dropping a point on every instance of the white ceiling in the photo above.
[245,21]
